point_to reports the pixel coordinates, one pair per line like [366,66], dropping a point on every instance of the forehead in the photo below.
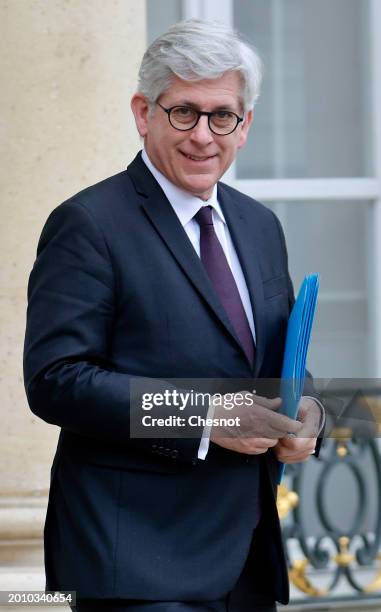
[222,91]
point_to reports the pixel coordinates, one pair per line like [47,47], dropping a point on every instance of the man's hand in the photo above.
[260,426]
[292,449]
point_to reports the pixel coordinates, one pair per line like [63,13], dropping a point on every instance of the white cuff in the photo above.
[205,439]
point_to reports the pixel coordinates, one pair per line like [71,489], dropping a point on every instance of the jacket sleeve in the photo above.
[69,376]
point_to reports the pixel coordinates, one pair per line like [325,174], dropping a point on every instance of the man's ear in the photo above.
[249,116]
[140,108]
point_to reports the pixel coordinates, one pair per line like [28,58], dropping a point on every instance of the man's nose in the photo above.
[201,133]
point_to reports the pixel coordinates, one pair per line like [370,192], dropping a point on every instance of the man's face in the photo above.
[171,150]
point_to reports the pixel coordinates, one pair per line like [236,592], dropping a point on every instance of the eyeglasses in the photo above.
[185,118]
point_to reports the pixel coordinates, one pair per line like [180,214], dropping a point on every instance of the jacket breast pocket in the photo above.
[275,286]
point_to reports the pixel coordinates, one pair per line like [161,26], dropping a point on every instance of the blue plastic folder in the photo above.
[295,354]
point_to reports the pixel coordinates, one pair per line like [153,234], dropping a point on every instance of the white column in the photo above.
[69,71]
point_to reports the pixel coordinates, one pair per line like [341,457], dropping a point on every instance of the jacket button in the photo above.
[174,454]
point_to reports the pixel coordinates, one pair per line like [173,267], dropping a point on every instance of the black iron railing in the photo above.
[331,516]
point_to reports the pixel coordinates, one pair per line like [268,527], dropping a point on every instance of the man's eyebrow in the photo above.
[227,107]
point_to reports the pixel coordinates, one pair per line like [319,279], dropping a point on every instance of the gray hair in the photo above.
[194,50]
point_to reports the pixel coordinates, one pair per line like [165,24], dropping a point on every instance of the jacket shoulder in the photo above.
[116,186]
[102,201]
[247,202]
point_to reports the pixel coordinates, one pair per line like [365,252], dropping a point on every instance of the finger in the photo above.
[266,402]
[294,451]
[298,451]
[266,442]
[293,458]
[257,450]
[282,423]
[254,446]
[269,431]
[298,444]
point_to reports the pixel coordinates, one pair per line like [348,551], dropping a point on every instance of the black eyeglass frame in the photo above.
[200,114]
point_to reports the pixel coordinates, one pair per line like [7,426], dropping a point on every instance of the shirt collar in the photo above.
[184,204]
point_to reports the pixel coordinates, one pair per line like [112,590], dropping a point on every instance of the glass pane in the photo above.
[331,238]
[312,117]
[161,15]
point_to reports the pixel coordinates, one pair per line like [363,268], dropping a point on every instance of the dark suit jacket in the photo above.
[116,291]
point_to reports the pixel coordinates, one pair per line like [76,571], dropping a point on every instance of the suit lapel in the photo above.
[245,236]
[168,226]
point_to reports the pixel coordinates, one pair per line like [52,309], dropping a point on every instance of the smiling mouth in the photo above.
[198,158]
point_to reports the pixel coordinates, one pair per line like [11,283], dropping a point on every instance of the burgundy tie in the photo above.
[220,274]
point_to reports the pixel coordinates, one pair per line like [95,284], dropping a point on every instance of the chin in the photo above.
[202,192]
[199,188]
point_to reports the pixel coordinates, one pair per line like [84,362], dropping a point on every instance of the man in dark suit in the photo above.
[163,272]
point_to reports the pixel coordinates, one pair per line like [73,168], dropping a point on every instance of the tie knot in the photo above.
[204,216]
